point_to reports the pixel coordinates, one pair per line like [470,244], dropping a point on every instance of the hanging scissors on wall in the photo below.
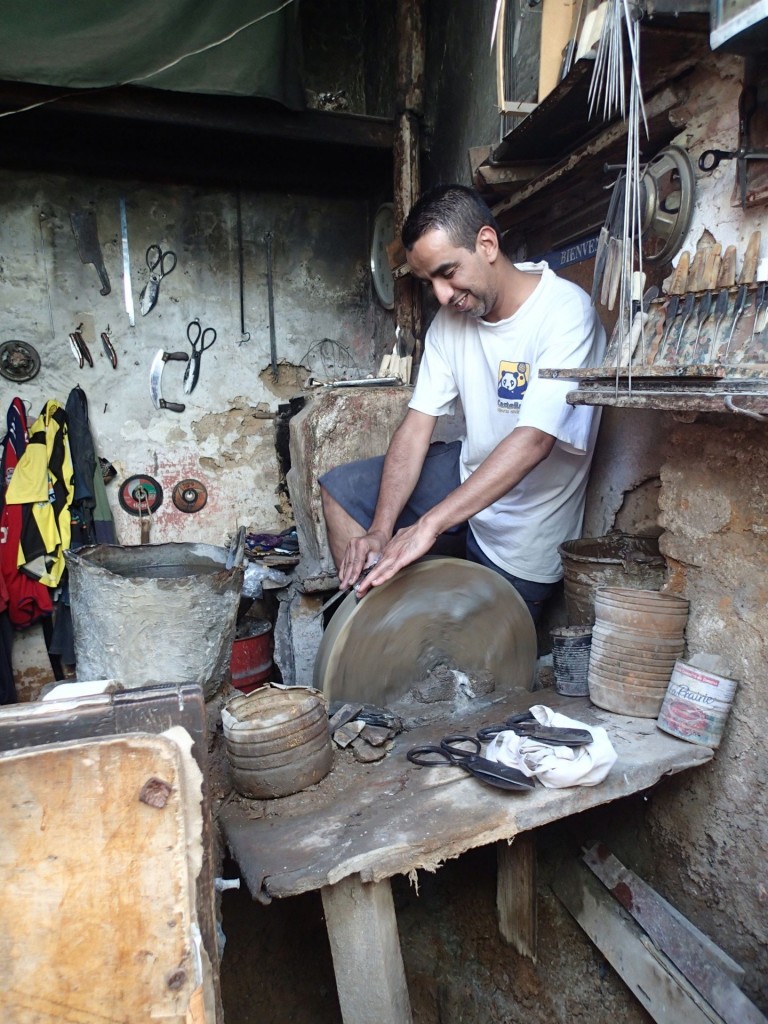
[160,264]
[200,340]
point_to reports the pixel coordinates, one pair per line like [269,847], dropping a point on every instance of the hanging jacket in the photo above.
[27,599]
[43,483]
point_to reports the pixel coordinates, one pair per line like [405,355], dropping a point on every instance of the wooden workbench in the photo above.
[352,833]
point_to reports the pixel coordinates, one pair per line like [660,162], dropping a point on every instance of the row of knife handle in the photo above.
[671,327]
[709,271]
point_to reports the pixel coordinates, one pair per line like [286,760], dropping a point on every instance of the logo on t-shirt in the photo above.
[512,384]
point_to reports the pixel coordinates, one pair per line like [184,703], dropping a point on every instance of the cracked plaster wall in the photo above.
[226,436]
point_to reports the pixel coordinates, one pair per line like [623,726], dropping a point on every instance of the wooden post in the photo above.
[516,892]
[362,929]
[407,174]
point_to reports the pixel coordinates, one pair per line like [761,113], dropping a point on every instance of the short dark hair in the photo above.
[458,210]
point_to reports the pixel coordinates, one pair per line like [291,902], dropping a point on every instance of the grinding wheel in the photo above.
[441,611]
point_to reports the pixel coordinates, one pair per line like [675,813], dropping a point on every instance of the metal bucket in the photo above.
[616,560]
[251,661]
[154,613]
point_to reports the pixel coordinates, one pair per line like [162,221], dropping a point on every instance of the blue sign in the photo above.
[576,252]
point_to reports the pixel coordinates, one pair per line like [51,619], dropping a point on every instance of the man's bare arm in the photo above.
[402,467]
[511,460]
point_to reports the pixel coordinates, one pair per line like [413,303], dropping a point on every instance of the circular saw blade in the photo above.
[440,611]
[189,495]
[140,495]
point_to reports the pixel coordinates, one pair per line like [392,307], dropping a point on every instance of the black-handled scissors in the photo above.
[160,264]
[453,751]
[524,724]
[200,340]
[156,261]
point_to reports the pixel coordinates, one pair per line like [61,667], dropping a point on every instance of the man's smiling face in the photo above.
[462,280]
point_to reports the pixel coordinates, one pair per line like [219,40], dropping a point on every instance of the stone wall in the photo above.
[711,831]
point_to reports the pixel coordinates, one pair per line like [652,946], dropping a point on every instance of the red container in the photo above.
[251,662]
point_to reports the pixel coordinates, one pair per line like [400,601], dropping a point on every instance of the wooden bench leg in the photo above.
[516,892]
[362,928]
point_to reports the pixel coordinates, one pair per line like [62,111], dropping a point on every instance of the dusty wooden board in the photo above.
[656,983]
[98,904]
[392,818]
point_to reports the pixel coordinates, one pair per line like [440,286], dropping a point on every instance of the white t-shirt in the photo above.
[493,368]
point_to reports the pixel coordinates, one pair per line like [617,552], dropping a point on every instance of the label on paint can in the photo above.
[696,705]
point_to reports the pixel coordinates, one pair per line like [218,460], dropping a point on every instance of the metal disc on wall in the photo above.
[189,495]
[668,189]
[18,361]
[140,495]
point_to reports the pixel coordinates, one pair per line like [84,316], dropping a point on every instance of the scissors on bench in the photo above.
[524,724]
[453,751]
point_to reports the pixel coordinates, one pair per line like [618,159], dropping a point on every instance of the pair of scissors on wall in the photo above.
[200,340]
[160,264]
[453,750]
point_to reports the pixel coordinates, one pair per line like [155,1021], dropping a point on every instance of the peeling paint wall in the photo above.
[326,323]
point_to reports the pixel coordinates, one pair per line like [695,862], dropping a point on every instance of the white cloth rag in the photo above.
[555,767]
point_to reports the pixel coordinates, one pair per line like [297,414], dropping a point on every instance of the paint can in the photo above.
[251,661]
[571,647]
[696,704]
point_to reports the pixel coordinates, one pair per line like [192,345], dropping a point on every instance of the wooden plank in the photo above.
[99,842]
[651,977]
[516,893]
[365,946]
[672,938]
[690,404]
[394,818]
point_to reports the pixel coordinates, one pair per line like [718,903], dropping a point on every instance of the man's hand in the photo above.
[361,552]
[406,547]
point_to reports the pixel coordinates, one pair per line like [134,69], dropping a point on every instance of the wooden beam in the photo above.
[240,115]
[407,176]
[516,893]
[657,984]
[365,946]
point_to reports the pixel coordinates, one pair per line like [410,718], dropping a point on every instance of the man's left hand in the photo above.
[407,545]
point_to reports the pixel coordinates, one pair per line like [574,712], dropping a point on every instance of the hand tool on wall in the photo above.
[85,231]
[271,305]
[109,348]
[79,348]
[244,335]
[709,284]
[200,340]
[761,308]
[156,379]
[710,158]
[746,278]
[676,290]
[606,233]
[127,292]
[725,281]
[687,311]
[160,264]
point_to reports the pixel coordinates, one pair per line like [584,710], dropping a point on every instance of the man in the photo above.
[519,476]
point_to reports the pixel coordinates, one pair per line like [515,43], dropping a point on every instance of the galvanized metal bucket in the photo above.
[154,613]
